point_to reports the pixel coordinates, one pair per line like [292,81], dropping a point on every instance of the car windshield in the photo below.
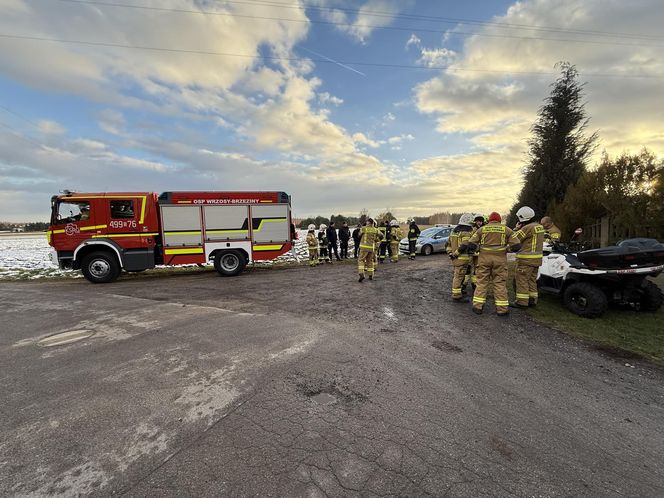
[430,232]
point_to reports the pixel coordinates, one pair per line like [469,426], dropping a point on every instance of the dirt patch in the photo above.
[317,391]
[501,447]
[614,352]
[446,346]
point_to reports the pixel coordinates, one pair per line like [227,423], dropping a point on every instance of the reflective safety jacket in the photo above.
[531,237]
[413,231]
[460,235]
[312,241]
[384,231]
[494,239]
[395,234]
[369,237]
[322,239]
[553,233]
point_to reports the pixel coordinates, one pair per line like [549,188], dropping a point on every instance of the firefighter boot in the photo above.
[361,279]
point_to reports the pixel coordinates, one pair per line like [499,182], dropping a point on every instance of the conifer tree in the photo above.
[559,146]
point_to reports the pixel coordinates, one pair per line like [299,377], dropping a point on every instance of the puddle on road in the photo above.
[324,399]
[65,338]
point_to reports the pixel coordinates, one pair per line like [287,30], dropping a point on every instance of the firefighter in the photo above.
[370,237]
[493,241]
[551,231]
[385,241]
[395,234]
[478,222]
[413,234]
[312,244]
[461,261]
[323,254]
[529,257]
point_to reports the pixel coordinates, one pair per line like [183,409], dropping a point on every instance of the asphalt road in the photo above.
[303,382]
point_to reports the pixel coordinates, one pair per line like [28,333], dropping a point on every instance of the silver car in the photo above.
[432,239]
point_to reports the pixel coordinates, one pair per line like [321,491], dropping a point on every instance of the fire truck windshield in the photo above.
[70,211]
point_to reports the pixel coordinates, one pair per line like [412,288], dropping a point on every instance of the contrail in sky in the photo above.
[336,62]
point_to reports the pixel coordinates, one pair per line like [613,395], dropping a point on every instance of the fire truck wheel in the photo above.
[229,263]
[100,267]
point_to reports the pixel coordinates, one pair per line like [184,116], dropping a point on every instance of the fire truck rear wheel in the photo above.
[100,267]
[229,263]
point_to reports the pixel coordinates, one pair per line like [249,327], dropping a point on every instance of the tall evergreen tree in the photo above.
[559,146]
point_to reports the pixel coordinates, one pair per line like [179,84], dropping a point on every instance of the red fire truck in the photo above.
[104,233]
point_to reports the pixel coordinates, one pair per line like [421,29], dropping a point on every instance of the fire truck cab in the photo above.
[104,233]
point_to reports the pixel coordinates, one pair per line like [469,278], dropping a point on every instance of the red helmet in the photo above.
[495,217]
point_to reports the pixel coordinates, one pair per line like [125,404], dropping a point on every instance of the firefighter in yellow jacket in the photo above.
[529,258]
[461,261]
[551,231]
[493,241]
[312,244]
[370,237]
[395,239]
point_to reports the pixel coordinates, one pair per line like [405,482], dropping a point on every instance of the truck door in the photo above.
[125,229]
[270,228]
[182,234]
[74,220]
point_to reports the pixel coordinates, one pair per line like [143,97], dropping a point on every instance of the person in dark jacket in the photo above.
[356,239]
[413,234]
[332,241]
[386,230]
[344,237]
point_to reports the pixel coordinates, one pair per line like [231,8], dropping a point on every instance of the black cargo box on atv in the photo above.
[628,253]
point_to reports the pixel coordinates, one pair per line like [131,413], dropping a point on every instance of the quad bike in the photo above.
[589,280]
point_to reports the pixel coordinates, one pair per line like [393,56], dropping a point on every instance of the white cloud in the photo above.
[111,121]
[359,26]
[400,138]
[413,41]
[49,127]
[326,98]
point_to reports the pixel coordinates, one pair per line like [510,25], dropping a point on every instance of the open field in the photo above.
[303,382]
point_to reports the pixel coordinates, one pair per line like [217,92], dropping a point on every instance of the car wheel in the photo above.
[229,263]
[585,300]
[100,267]
[427,250]
[652,297]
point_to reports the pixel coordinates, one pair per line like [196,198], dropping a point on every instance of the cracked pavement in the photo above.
[303,382]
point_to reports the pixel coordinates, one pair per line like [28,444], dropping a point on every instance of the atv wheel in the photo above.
[585,300]
[652,297]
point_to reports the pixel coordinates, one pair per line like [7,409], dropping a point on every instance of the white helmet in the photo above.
[322,226]
[466,219]
[525,213]
[394,223]
[311,227]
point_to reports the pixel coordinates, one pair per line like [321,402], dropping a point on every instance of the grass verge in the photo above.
[619,332]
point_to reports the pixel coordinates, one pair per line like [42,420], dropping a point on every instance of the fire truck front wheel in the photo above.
[100,267]
[229,263]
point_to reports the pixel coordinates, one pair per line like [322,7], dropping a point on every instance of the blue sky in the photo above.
[271,114]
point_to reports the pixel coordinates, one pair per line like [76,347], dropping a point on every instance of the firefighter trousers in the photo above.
[394,248]
[366,262]
[323,255]
[526,283]
[411,248]
[491,271]
[458,280]
[313,257]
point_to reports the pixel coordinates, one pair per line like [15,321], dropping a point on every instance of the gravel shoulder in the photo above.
[303,382]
